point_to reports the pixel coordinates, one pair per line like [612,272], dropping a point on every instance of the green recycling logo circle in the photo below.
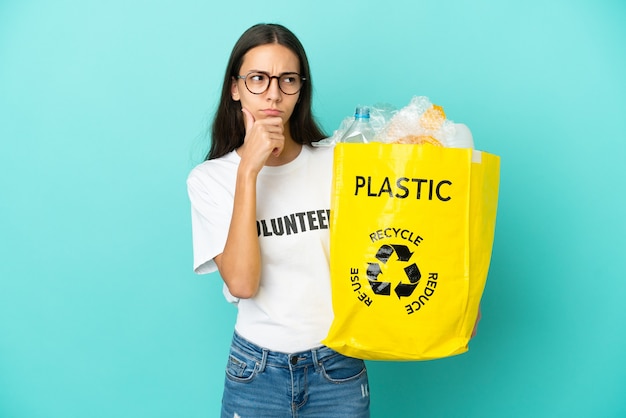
[411,276]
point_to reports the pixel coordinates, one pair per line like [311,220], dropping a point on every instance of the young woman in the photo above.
[260,215]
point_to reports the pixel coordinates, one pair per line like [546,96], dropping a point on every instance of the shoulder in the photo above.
[320,163]
[320,154]
[217,172]
[215,168]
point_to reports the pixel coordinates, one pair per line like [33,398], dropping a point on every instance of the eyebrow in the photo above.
[268,73]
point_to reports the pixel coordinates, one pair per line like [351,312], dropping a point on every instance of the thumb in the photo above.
[248,119]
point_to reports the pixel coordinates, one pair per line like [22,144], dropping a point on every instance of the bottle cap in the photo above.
[362,112]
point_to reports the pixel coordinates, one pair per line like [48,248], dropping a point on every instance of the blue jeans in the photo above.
[316,383]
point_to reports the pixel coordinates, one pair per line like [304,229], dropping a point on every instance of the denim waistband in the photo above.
[265,356]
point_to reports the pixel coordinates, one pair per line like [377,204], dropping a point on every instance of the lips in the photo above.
[271,112]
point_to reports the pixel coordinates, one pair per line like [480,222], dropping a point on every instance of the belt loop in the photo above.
[316,360]
[263,360]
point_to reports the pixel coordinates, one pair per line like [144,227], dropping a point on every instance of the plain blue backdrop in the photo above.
[104,109]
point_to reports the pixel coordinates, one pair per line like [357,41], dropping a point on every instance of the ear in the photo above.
[234,89]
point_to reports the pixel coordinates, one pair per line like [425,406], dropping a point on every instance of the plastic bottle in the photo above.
[462,137]
[361,131]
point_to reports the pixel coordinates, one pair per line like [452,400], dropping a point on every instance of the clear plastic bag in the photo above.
[419,122]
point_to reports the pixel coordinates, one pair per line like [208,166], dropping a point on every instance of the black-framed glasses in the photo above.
[257,82]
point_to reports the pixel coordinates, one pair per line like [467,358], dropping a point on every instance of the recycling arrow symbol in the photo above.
[411,271]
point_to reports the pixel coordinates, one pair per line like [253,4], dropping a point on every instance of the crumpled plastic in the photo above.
[380,114]
[419,122]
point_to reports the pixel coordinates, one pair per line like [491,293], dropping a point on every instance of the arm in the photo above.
[240,262]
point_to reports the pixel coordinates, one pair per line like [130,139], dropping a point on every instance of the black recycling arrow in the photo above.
[373,270]
[384,252]
[403,252]
[413,273]
[380,288]
[404,290]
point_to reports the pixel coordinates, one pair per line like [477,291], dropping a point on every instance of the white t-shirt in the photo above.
[292,309]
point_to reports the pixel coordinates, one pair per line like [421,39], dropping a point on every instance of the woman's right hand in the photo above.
[264,137]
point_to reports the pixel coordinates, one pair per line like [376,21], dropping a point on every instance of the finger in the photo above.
[274,124]
[248,119]
[277,150]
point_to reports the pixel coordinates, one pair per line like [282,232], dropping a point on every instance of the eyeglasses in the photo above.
[257,82]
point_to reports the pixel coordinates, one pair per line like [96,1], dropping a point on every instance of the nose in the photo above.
[273,91]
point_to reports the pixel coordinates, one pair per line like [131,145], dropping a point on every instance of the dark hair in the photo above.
[228,130]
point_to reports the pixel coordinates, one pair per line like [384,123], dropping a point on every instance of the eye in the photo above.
[289,79]
[257,78]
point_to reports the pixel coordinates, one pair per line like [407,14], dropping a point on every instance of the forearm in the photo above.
[240,262]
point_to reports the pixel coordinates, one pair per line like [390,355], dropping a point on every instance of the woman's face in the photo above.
[275,60]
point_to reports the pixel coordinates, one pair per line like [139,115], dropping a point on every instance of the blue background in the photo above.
[104,108]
